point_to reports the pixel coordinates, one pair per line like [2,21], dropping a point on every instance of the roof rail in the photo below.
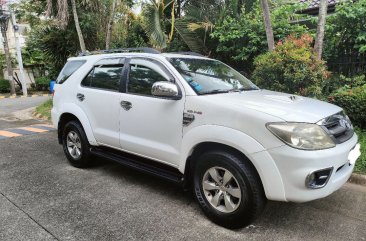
[188,53]
[121,50]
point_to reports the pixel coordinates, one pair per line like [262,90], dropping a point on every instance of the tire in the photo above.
[81,158]
[236,208]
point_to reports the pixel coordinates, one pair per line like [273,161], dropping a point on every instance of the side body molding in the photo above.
[256,153]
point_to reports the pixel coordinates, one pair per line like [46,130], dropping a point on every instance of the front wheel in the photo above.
[228,189]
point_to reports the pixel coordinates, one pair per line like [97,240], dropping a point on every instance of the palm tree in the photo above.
[323,5]
[63,16]
[154,22]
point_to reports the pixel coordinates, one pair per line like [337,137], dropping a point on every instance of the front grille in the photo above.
[338,126]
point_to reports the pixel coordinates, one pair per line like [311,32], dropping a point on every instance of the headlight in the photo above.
[302,135]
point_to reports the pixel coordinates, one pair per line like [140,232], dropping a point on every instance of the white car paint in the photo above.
[153,128]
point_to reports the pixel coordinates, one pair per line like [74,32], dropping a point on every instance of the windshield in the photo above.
[208,76]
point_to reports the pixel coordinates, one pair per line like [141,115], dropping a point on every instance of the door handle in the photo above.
[81,97]
[126,105]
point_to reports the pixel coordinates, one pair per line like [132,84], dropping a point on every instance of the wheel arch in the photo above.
[236,141]
[73,112]
[203,147]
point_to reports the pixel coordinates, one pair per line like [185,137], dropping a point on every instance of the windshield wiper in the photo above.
[242,89]
[217,91]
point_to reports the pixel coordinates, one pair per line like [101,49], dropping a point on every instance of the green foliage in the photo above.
[128,33]
[57,44]
[337,81]
[353,101]
[361,162]
[154,24]
[177,45]
[42,83]
[4,86]
[242,39]
[45,109]
[292,67]
[346,30]
[29,11]
[2,59]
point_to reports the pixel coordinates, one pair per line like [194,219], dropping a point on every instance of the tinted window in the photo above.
[87,80]
[69,68]
[142,78]
[104,77]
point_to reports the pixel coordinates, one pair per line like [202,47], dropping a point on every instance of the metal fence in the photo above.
[348,65]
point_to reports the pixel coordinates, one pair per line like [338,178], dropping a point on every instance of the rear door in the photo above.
[99,96]
[150,126]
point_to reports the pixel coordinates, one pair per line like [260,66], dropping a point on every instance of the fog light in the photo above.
[318,179]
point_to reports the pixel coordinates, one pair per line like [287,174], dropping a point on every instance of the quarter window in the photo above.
[142,78]
[69,68]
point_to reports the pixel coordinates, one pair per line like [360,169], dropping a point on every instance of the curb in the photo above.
[358,179]
[21,96]
[39,116]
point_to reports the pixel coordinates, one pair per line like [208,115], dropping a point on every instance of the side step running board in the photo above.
[148,166]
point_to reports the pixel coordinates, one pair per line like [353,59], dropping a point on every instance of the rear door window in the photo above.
[69,68]
[106,75]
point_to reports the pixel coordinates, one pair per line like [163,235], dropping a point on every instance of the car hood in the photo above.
[285,106]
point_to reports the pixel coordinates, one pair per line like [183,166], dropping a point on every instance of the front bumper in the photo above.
[295,165]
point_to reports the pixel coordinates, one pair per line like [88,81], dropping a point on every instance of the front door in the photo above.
[150,126]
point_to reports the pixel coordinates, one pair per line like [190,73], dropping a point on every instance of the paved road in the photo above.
[44,198]
[17,112]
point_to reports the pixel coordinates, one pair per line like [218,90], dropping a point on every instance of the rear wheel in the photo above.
[76,145]
[228,189]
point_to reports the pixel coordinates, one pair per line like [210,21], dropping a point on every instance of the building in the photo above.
[312,7]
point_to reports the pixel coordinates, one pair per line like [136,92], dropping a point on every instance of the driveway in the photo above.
[18,112]
[43,198]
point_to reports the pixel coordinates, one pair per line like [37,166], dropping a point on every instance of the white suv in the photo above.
[196,121]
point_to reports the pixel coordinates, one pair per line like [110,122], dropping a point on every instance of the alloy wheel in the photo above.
[221,189]
[73,144]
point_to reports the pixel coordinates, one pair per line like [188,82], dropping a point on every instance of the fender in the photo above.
[253,150]
[79,113]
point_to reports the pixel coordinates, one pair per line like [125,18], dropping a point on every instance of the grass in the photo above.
[45,109]
[361,162]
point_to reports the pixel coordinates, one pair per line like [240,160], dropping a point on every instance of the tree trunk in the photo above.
[267,24]
[323,5]
[77,25]
[110,25]
[179,3]
[9,67]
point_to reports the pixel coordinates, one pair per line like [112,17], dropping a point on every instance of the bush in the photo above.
[42,83]
[292,67]
[241,39]
[353,101]
[361,162]
[4,86]
[337,81]
[346,33]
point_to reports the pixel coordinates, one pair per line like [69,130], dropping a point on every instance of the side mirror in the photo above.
[165,89]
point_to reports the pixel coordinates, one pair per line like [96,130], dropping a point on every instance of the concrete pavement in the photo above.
[18,112]
[44,198]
